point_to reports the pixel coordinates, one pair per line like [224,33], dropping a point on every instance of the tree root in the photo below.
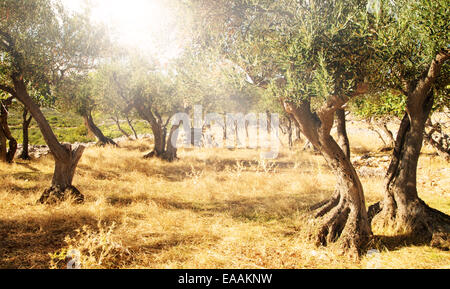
[340,223]
[56,194]
[421,222]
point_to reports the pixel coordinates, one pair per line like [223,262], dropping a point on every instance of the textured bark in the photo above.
[6,154]
[66,157]
[90,125]
[401,209]
[64,172]
[26,121]
[342,137]
[344,217]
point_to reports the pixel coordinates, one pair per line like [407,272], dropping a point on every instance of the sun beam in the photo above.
[144,24]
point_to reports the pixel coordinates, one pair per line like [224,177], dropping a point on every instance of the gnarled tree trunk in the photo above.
[26,121]
[90,125]
[163,148]
[344,217]
[66,157]
[402,210]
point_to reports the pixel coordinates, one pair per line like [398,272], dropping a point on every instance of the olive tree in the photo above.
[311,55]
[412,53]
[39,44]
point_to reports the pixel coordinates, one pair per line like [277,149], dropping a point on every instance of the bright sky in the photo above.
[144,24]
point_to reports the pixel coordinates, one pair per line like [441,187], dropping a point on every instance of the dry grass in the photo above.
[214,208]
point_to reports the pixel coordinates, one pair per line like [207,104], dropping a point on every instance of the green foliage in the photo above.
[381,104]
[300,50]
[407,37]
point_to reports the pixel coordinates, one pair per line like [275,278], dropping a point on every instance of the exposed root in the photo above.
[150,155]
[56,194]
[419,221]
[340,223]
[324,207]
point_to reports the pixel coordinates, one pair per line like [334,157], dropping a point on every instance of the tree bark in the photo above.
[401,210]
[26,121]
[66,157]
[344,217]
[6,155]
[342,138]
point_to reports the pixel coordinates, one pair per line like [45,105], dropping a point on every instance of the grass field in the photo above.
[69,127]
[214,208]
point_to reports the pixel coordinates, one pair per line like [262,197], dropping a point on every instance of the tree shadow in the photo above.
[26,243]
[394,243]
[260,209]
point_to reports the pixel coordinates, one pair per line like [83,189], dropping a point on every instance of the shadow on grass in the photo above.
[26,243]
[258,209]
[393,243]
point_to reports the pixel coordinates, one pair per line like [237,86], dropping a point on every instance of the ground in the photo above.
[213,208]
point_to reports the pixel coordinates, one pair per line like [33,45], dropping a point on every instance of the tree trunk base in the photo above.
[339,223]
[167,156]
[56,194]
[105,142]
[25,157]
[417,221]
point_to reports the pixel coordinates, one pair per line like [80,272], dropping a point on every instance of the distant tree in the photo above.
[77,93]
[135,83]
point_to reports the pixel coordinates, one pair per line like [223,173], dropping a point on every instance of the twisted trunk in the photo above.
[90,125]
[26,121]
[344,217]
[66,157]
[402,210]
[163,147]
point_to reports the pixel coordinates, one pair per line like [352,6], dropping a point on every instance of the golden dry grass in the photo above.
[214,208]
